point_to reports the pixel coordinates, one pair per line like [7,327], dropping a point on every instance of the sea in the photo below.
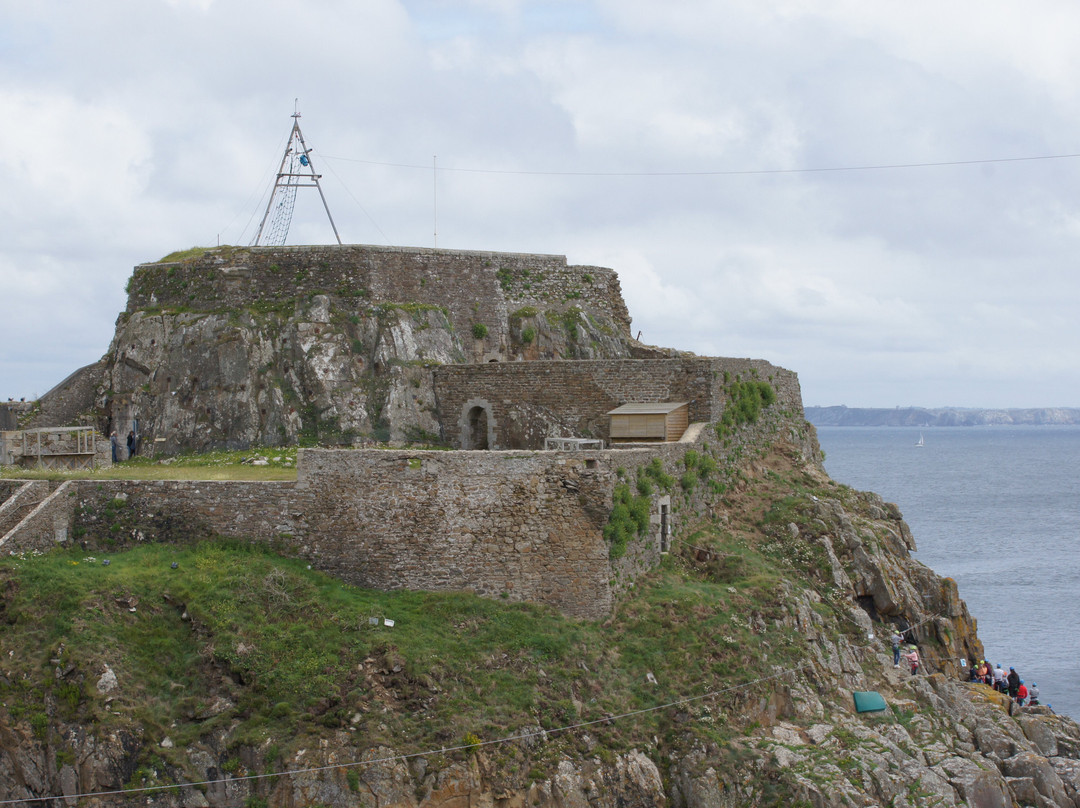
[997,508]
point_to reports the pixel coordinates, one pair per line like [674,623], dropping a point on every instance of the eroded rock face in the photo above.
[322,374]
[231,380]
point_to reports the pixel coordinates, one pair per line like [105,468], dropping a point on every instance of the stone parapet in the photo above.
[230,278]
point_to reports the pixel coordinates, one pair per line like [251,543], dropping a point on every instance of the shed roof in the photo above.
[649,408]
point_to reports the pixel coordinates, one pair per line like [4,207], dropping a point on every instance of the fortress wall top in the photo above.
[474,287]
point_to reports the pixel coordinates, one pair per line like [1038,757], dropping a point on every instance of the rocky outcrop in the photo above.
[941,744]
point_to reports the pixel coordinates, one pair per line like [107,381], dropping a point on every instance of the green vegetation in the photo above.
[218,465]
[189,254]
[240,641]
[479,330]
[280,651]
[629,516]
[746,399]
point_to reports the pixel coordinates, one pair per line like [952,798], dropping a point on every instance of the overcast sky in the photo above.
[761,174]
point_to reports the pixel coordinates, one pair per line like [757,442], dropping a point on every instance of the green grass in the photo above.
[293,651]
[189,254]
[217,465]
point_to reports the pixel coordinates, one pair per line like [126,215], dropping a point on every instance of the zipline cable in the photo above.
[357,201]
[722,173]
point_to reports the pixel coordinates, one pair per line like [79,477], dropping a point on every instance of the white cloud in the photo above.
[70,155]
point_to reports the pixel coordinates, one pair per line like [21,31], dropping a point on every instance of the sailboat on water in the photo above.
[921,442]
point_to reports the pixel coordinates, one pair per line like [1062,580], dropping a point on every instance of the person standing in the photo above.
[1013,682]
[999,678]
[1033,694]
[913,657]
[115,443]
[1021,694]
[897,638]
[131,444]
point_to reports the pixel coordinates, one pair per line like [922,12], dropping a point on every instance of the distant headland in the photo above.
[945,416]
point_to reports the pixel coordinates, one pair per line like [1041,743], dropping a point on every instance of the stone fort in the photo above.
[349,348]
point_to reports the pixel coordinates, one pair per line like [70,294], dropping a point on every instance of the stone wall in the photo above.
[474,287]
[516,405]
[519,525]
[181,511]
[59,448]
[17,498]
[72,400]
[524,526]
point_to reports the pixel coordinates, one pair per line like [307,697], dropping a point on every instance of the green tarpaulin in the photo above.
[869,701]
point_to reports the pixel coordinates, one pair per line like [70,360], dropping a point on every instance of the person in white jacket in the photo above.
[999,679]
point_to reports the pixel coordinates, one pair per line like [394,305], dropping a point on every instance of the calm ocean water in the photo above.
[998,509]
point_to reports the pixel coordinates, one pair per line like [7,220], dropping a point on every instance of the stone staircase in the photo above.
[36,514]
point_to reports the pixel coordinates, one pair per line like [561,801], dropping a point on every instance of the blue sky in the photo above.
[670,141]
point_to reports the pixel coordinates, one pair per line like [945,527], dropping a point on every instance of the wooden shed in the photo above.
[654,422]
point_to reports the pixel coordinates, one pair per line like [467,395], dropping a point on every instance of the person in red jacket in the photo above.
[1021,694]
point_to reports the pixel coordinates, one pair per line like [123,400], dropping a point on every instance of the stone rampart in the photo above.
[516,404]
[520,525]
[71,401]
[474,287]
[525,526]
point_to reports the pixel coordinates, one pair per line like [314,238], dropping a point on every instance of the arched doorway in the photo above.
[477,437]
[477,426]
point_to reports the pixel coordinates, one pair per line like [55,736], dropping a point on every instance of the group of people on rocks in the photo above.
[1003,682]
[996,677]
